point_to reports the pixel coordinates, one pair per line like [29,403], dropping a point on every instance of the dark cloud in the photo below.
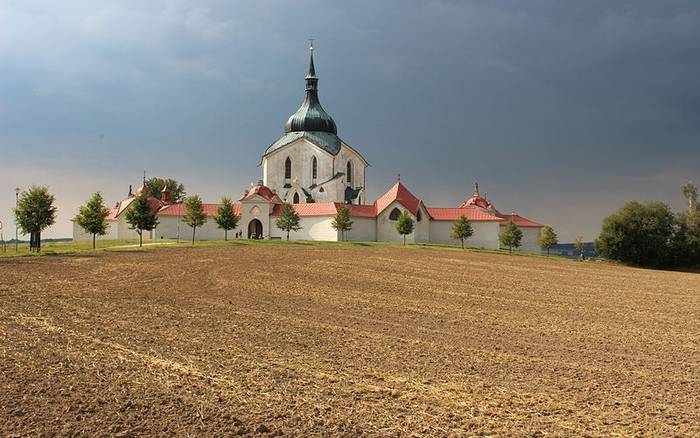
[561,109]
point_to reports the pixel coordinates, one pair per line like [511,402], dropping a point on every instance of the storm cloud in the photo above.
[561,110]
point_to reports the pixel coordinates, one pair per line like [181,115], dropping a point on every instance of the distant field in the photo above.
[319,340]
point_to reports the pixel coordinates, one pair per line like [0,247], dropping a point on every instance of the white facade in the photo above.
[331,176]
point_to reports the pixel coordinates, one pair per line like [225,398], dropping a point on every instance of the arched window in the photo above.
[418,216]
[394,215]
[348,173]
[288,168]
[296,198]
[314,168]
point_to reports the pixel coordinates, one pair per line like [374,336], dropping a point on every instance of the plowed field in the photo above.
[303,340]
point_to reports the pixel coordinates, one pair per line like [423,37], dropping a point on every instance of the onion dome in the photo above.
[311,116]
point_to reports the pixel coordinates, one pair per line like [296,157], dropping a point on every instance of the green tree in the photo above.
[461,229]
[548,238]
[578,244]
[92,217]
[140,217]
[640,234]
[404,225]
[35,212]
[341,222]
[177,190]
[690,192]
[685,245]
[511,236]
[225,217]
[288,220]
[194,213]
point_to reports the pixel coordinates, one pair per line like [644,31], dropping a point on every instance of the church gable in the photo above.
[349,150]
[300,142]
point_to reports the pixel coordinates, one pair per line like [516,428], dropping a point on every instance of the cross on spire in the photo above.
[311,44]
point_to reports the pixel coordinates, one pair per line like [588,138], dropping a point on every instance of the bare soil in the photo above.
[345,341]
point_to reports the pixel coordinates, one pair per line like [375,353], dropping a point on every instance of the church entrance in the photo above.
[255,229]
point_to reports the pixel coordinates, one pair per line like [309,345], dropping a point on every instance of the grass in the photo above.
[75,247]
[78,247]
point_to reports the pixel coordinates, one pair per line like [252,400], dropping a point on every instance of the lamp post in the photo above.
[17,190]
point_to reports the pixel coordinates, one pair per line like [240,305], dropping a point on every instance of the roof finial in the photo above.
[476,188]
[398,177]
[312,69]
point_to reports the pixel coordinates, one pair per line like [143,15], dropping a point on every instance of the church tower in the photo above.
[310,163]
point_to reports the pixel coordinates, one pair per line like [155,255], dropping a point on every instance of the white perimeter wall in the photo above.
[485,234]
[125,232]
[168,229]
[313,228]
[363,229]
[530,241]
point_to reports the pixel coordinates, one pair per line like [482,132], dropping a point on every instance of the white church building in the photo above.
[313,169]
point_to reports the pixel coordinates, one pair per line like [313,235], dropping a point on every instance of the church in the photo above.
[317,172]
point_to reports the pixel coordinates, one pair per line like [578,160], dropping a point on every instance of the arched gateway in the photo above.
[255,229]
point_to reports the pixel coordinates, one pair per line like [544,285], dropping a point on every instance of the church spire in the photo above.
[312,69]
[311,79]
[311,116]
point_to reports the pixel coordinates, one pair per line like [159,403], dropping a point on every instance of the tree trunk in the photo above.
[288,235]
[93,240]
[404,240]
[510,250]
[225,235]
[193,231]
[141,239]
[38,241]
[547,252]
[462,243]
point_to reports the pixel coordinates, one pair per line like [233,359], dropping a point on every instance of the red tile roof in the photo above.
[474,209]
[362,210]
[328,209]
[309,209]
[520,221]
[398,192]
[452,214]
[478,201]
[179,209]
[122,205]
[115,211]
[262,191]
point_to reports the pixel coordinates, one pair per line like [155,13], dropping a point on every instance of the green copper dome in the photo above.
[311,116]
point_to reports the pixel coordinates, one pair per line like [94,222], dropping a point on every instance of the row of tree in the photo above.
[651,235]
[35,211]
[92,217]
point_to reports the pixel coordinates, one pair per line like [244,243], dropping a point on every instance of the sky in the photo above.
[562,110]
